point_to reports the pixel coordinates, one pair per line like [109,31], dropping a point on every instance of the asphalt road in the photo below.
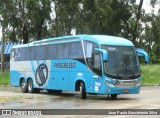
[12,98]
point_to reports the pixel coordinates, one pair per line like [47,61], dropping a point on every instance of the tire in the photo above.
[54,91]
[82,88]
[30,87]
[113,96]
[23,86]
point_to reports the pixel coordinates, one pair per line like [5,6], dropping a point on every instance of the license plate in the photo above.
[125,91]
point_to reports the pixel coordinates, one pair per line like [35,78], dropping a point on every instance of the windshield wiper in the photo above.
[130,70]
[128,67]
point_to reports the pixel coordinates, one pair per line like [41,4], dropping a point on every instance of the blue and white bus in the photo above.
[90,64]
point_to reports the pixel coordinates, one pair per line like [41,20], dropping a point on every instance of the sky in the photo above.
[145,6]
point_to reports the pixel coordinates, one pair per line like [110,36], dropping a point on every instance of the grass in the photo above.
[4,78]
[150,75]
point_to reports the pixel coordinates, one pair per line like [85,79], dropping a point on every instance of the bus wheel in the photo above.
[54,91]
[113,96]
[23,86]
[30,87]
[83,91]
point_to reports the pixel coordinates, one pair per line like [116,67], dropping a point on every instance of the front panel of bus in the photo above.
[120,74]
[122,70]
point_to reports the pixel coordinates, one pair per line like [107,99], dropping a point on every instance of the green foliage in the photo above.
[30,20]
[152,37]
[25,19]
[150,74]
[4,78]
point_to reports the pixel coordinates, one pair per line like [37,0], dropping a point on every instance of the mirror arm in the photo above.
[143,53]
[104,52]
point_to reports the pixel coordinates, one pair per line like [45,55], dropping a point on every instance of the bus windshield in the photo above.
[122,62]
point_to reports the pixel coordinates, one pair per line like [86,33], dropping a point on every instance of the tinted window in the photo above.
[30,53]
[71,50]
[51,52]
[22,54]
[93,57]
[62,50]
[14,54]
[75,50]
[40,52]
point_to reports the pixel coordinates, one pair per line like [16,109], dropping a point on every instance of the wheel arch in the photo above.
[77,84]
[29,78]
[20,80]
[33,80]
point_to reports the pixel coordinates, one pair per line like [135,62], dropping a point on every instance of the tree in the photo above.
[49,18]
[39,15]
[66,13]
[103,17]
[132,28]
[152,34]
[2,48]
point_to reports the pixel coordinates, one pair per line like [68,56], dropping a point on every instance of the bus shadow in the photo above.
[75,95]
[68,95]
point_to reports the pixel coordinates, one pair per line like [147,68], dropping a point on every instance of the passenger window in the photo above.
[93,57]
[62,50]
[30,54]
[14,55]
[40,52]
[75,50]
[51,52]
[22,54]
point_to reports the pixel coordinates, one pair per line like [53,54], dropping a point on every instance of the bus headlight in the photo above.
[109,84]
[138,83]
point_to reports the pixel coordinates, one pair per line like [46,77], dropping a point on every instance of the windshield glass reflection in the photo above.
[122,62]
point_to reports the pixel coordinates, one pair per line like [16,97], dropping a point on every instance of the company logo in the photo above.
[41,74]
[6,112]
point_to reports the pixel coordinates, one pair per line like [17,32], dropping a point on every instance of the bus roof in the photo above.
[99,39]
[109,40]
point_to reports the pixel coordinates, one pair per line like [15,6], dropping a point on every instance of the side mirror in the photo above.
[104,52]
[141,52]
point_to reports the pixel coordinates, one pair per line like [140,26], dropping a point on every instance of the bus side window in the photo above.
[73,52]
[96,61]
[14,54]
[51,52]
[62,50]
[40,52]
[92,57]
[30,53]
[18,54]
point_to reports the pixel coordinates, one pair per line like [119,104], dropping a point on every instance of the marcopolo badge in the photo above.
[41,74]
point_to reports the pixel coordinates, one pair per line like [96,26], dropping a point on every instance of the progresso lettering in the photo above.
[65,65]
